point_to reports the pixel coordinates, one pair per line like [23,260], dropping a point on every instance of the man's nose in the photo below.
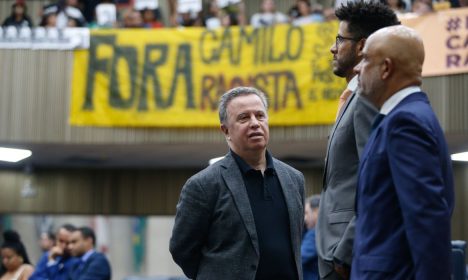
[253,121]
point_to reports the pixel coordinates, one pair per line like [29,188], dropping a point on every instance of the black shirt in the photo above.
[271,221]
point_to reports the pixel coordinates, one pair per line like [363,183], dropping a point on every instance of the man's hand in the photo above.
[54,252]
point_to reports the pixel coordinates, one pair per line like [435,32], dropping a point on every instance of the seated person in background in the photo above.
[19,17]
[49,17]
[422,7]
[308,249]
[268,15]
[93,265]
[57,263]
[132,19]
[47,241]
[150,19]
[398,6]
[15,261]
[67,13]
[307,13]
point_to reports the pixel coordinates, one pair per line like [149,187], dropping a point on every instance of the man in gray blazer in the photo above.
[336,221]
[242,217]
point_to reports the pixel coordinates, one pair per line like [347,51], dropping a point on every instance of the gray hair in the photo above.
[236,92]
[313,201]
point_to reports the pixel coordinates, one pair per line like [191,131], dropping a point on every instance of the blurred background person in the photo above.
[49,17]
[46,241]
[422,7]
[93,265]
[19,17]
[268,15]
[398,6]
[132,19]
[308,248]
[15,260]
[57,263]
[67,12]
[150,18]
[307,13]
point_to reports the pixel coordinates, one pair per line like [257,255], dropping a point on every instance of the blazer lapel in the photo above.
[332,133]
[291,198]
[234,181]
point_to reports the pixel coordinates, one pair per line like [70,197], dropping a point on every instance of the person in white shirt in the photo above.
[268,15]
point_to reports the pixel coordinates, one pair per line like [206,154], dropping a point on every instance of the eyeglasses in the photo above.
[339,39]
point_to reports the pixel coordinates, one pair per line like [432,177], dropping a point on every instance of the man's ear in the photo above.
[224,129]
[360,46]
[386,69]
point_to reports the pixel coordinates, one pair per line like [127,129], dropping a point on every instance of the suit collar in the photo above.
[396,98]
[235,183]
[245,167]
[233,178]
[291,198]
[87,255]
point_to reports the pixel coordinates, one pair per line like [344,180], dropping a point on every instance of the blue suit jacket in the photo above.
[96,267]
[309,256]
[61,270]
[405,198]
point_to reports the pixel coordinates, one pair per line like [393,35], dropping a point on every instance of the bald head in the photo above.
[393,60]
[401,44]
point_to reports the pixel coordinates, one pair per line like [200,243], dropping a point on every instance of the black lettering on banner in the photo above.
[150,72]
[292,31]
[269,83]
[249,39]
[202,43]
[210,85]
[183,68]
[452,42]
[129,54]
[266,47]
[96,65]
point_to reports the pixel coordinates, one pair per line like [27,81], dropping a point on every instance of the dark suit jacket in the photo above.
[61,270]
[405,198]
[96,267]
[214,235]
[335,225]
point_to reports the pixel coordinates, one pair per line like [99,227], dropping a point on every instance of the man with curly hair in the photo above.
[336,221]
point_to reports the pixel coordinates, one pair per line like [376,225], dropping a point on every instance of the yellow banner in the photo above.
[445,36]
[174,77]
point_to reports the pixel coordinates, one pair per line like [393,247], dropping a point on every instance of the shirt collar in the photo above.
[353,84]
[245,167]
[86,256]
[395,99]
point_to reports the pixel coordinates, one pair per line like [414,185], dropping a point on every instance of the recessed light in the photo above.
[460,156]
[14,155]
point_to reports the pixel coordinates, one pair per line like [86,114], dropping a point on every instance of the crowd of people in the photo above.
[112,13]
[68,255]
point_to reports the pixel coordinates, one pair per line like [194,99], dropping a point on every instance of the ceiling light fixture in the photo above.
[14,155]
[460,156]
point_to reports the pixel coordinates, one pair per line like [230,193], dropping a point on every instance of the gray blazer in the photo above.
[214,235]
[336,219]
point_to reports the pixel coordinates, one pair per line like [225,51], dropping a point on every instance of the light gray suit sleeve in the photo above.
[363,117]
[191,227]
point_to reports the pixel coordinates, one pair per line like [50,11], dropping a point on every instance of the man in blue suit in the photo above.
[405,192]
[57,263]
[93,265]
